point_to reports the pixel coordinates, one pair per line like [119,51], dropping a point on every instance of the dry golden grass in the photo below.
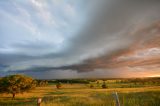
[69,94]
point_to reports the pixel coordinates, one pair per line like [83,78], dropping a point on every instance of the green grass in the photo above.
[82,95]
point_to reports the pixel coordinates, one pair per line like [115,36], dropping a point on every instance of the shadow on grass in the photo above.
[151,98]
[7,101]
[58,92]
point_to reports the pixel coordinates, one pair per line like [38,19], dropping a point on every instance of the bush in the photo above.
[41,83]
[104,85]
[58,85]
[91,86]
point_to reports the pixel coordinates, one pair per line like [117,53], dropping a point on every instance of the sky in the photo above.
[57,39]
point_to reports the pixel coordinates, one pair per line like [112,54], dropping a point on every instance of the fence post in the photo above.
[116,98]
[39,100]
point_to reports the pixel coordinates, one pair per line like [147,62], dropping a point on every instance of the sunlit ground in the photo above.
[83,95]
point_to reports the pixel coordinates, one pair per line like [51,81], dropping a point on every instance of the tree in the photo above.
[14,84]
[41,83]
[104,85]
[91,86]
[58,85]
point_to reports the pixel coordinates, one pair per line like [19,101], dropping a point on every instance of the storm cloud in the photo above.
[94,38]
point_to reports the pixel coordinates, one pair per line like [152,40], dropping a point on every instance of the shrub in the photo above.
[91,86]
[41,83]
[58,85]
[104,85]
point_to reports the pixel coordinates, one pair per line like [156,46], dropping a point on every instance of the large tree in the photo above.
[16,84]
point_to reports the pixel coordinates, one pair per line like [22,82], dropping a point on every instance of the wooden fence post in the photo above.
[116,98]
[39,100]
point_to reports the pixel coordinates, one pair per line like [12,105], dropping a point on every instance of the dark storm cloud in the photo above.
[142,52]
[110,30]
[110,26]
[148,51]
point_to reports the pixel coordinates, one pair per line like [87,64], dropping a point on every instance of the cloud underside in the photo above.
[141,58]
[115,37]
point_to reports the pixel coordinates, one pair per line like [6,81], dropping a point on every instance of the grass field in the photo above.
[82,95]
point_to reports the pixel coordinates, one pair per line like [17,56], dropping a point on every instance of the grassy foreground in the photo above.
[82,95]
